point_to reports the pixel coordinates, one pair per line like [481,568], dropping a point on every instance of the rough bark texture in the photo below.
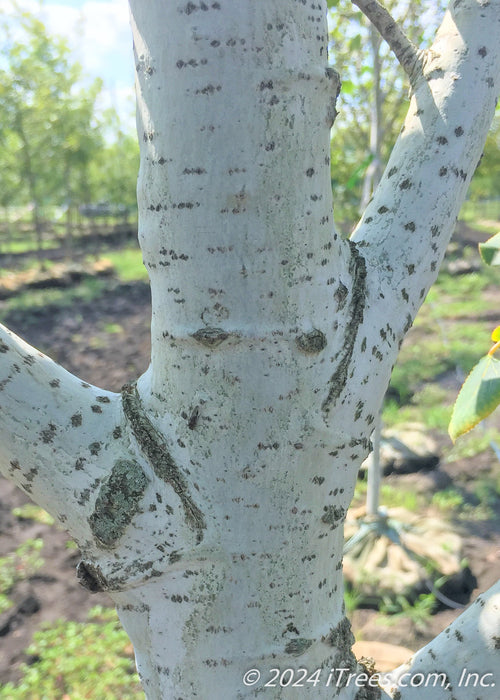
[208,498]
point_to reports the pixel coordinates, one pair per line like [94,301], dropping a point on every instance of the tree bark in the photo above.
[209,498]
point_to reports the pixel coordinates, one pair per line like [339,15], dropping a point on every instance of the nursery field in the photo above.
[95,322]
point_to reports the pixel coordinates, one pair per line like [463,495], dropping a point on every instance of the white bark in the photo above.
[212,494]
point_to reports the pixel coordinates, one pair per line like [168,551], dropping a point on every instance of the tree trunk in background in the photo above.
[208,499]
[374,170]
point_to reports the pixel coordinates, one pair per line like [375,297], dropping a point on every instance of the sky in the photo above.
[98,32]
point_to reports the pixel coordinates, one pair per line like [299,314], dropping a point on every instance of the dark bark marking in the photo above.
[54,383]
[340,295]
[49,433]
[312,342]
[357,270]
[193,419]
[210,337]
[91,577]
[95,448]
[76,420]
[153,446]
[3,347]
[298,646]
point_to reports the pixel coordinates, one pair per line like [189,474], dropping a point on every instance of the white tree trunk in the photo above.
[208,499]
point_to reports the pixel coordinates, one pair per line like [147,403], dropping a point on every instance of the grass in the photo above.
[128,267]
[418,611]
[30,511]
[79,661]
[390,496]
[26,245]
[18,566]
[128,264]
[472,444]
[448,500]
[32,300]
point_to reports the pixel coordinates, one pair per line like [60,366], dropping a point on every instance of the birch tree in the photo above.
[208,497]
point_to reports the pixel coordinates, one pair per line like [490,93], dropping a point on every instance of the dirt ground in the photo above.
[76,338]
[80,339]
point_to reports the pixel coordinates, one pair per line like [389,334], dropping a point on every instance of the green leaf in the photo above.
[478,397]
[348,87]
[490,251]
[355,43]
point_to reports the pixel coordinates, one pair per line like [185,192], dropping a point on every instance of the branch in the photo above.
[462,661]
[89,457]
[54,429]
[405,50]
[405,229]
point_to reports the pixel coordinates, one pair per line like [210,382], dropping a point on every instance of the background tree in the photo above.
[208,497]
[47,117]
[374,93]
[113,170]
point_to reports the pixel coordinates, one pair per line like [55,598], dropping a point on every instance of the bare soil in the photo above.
[106,342]
[77,338]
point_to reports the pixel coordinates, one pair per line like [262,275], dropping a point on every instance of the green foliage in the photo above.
[448,499]
[56,147]
[486,181]
[352,599]
[30,511]
[426,406]
[79,661]
[393,497]
[18,566]
[374,95]
[478,397]
[490,251]
[46,116]
[480,393]
[419,612]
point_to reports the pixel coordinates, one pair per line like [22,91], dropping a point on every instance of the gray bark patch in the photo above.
[117,502]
